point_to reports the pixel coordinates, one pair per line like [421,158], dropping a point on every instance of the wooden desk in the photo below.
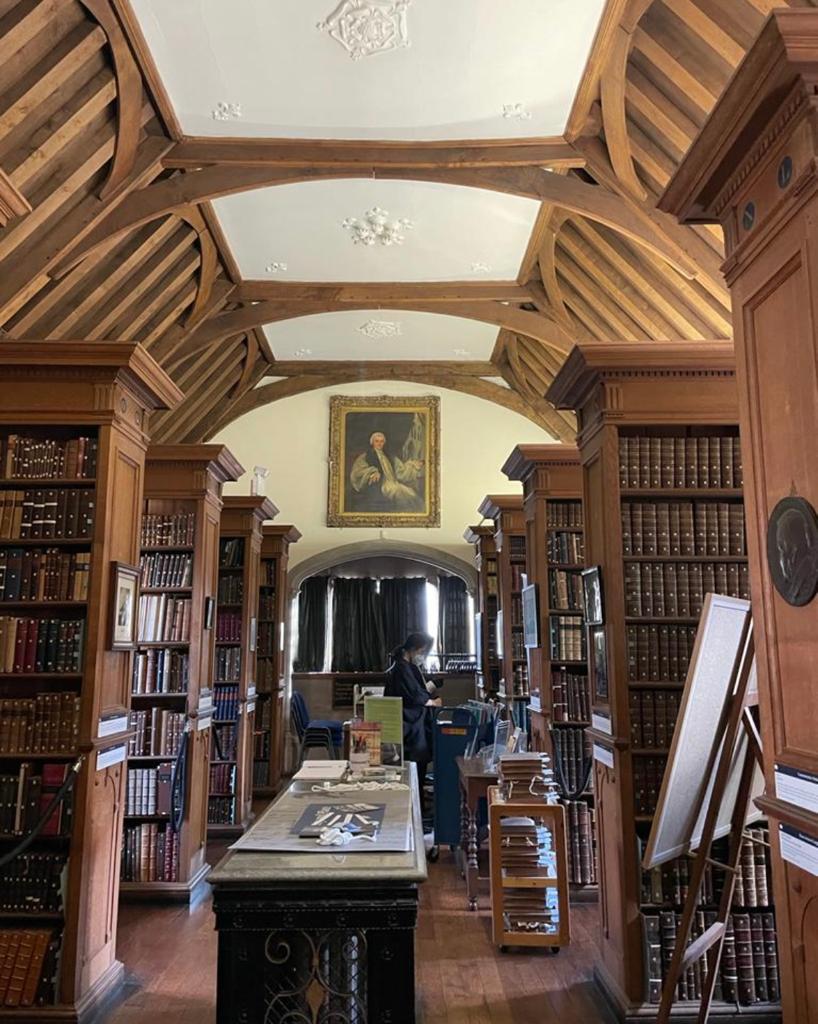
[305,934]
[474,786]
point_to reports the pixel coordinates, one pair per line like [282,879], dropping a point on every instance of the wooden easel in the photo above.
[739,716]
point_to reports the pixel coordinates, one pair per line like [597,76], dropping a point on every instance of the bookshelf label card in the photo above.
[603,755]
[203,722]
[798,848]
[602,723]
[251,691]
[251,707]
[111,756]
[111,726]
[797,787]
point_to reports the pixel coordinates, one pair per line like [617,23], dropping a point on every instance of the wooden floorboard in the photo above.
[170,962]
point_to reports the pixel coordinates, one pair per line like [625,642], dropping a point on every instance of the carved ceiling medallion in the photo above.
[516,112]
[376,228]
[381,329]
[276,267]
[366,27]
[224,111]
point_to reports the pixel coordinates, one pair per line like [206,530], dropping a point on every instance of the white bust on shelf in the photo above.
[257,485]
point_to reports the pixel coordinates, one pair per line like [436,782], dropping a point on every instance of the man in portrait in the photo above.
[385,481]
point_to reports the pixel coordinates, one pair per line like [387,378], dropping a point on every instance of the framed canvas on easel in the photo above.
[712,778]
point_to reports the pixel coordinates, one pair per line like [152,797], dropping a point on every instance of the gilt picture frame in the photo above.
[384,461]
[124,606]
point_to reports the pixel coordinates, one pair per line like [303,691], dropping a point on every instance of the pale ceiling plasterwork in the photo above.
[368,27]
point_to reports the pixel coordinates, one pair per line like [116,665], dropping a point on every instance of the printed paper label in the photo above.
[603,755]
[796,787]
[798,848]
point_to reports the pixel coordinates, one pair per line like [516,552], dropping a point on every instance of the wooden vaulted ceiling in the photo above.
[108,231]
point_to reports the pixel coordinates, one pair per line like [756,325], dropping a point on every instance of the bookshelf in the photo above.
[659,446]
[234,677]
[485,560]
[54,394]
[506,512]
[170,688]
[560,699]
[755,155]
[272,657]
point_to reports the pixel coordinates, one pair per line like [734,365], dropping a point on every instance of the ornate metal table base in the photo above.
[316,956]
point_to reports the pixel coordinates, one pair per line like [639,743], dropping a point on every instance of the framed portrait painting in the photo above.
[384,461]
[124,602]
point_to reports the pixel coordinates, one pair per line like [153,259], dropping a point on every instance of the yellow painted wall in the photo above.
[291,438]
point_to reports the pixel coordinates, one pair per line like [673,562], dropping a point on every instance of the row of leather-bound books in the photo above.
[228,627]
[160,670]
[162,569]
[570,698]
[683,528]
[163,618]
[652,463]
[150,853]
[28,966]
[565,514]
[676,589]
[582,842]
[572,757]
[47,723]
[148,790]
[231,589]
[33,882]
[564,590]
[34,645]
[659,652]
[653,715]
[647,781]
[47,574]
[668,884]
[168,530]
[748,972]
[157,731]
[566,548]
[25,795]
[49,514]
[34,458]
[227,664]
[226,702]
[567,638]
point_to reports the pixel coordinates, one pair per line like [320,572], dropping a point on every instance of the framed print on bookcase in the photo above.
[124,603]
[531,615]
[592,596]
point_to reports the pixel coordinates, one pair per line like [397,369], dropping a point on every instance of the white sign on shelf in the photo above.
[111,756]
[798,848]
[603,755]
[797,787]
[602,723]
[203,722]
[111,726]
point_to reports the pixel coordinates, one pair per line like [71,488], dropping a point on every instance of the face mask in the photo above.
[419,660]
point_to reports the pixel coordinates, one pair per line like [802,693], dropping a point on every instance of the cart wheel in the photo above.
[554,950]
[433,854]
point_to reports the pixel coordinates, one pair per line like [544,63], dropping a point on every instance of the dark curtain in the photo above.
[404,609]
[358,643]
[312,624]
[452,616]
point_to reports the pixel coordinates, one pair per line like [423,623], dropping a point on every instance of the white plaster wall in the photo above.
[291,438]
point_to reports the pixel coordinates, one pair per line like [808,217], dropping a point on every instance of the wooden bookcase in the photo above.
[506,512]
[559,706]
[752,169]
[234,681]
[171,682]
[657,426]
[485,560]
[62,391]
[272,657]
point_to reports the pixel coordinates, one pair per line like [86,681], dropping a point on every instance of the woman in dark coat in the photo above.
[405,679]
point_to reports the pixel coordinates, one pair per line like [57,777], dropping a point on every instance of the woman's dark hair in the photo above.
[413,642]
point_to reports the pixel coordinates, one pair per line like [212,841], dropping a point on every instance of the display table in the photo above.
[309,936]
[474,787]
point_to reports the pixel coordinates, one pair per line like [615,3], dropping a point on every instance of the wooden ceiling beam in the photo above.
[194,152]
[567,192]
[390,368]
[488,311]
[380,291]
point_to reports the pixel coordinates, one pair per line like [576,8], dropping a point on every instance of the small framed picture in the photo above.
[531,616]
[209,612]
[592,596]
[124,603]
[253,632]
[599,661]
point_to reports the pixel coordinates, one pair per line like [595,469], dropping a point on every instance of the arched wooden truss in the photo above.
[106,231]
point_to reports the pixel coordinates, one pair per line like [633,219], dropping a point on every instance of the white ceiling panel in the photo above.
[432,69]
[383,334]
[457,233]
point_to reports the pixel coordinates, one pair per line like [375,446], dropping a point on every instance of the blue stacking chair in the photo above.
[324,733]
